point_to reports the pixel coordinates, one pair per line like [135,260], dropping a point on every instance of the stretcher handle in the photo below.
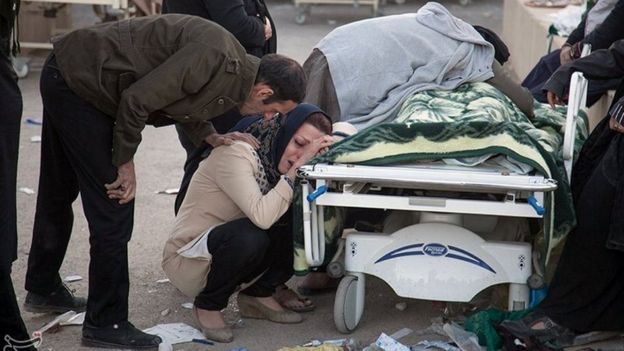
[318,192]
[539,209]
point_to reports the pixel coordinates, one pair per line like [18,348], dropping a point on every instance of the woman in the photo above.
[226,233]
[587,290]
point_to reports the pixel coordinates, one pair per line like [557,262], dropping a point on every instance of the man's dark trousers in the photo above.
[76,157]
[11,322]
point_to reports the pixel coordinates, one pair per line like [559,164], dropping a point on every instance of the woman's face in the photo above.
[303,136]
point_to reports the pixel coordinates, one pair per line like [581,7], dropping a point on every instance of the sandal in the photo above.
[539,326]
[290,300]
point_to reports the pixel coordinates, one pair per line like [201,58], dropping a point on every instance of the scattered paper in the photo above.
[35,139]
[72,278]
[77,319]
[426,345]
[401,306]
[27,191]
[387,343]
[65,317]
[188,305]
[175,333]
[160,281]
[171,191]
[165,312]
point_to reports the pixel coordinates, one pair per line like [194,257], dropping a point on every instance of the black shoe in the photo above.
[539,326]
[119,336]
[60,301]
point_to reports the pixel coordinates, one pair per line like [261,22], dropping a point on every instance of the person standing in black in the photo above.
[252,25]
[11,324]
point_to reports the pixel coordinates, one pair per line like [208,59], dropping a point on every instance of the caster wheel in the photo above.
[346,314]
[335,269]
[535,281]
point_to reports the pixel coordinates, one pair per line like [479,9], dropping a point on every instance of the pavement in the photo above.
[159,166]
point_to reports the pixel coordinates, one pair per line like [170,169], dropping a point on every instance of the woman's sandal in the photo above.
[292,301]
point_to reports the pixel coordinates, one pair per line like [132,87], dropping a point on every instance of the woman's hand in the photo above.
[553,99]
[617,116]
[268,31]
[316,147]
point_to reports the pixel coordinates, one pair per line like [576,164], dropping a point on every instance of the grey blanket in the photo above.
[376,64]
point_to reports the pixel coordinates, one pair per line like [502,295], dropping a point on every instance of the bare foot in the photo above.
[210,319]
[291,300]
[318,281]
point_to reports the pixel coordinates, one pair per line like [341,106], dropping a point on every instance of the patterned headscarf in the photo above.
[274,135]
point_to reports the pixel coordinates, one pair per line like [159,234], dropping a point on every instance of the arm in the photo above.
[231,15]
[235,177]
[521,96]
[611,30]
[601,64]
[578,33]
[182,74]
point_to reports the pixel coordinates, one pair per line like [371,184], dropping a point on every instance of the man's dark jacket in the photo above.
[243,18]
[157,70]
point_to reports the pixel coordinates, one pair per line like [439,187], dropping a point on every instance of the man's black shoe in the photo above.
[119,336]
[60,301]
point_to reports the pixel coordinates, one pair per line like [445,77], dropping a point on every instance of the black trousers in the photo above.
[241,252]
[587,291]
[195,154]
[11,322]
[76,158]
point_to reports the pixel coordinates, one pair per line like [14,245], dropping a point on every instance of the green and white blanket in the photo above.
[471,121]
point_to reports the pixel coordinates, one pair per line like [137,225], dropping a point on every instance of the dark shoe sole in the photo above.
[109,345]
[50,309]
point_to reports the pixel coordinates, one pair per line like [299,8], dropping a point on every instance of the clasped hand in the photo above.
[124,187]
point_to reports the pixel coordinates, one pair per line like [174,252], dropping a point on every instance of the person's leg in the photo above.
[194,154]
[11,323]
[238,249]
[85,138]
[58,188]
[587,291]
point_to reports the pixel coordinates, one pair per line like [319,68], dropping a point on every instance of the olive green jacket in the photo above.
[156,70]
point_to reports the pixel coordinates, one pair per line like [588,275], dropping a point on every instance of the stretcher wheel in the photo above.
[346,316]
[335,269]
[535,281]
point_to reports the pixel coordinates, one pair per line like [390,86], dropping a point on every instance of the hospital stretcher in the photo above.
[437,258]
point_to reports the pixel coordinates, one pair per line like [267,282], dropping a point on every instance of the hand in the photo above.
[268,31]
[217,139]
[615,125]
[124,187]
[316,147]
[565,55]
[553,99]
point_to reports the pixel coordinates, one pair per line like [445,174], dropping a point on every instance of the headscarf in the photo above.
[274,135]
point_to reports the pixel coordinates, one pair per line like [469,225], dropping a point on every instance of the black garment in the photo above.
[10,116]
[587,291]
[609,31]
[243,18]
[548,64]
[76,153]
[11,322]
[241,252]
[9,10]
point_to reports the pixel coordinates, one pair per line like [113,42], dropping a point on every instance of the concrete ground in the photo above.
[159,166]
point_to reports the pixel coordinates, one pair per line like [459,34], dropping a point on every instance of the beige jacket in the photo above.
[223,189]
